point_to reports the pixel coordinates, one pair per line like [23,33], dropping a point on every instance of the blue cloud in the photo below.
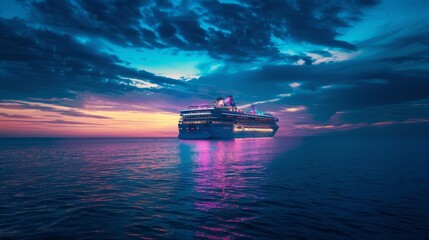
[61,50]
[231,31]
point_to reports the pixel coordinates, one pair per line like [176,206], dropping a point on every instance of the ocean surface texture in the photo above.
[281,188]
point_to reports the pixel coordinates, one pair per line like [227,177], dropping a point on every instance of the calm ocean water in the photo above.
[281,188]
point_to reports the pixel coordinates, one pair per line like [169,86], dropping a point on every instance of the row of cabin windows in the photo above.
[201,122]
[259,122]
[200,111]
[197,116]
[262,124]
[253,126]
[192,122]
[219,122]
[239,119]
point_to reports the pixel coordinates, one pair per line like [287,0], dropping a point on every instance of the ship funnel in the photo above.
[220,102]
[252,109]
[229,101]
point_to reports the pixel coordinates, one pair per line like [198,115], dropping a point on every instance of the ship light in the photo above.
[220,102]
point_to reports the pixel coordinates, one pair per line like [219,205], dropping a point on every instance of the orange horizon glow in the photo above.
[106,119]
[127,123]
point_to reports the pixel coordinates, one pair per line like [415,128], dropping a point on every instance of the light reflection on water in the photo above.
[227,170]
[185,189]
[130,187]
[226,181]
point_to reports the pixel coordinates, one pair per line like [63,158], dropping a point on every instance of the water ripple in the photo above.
[236,189]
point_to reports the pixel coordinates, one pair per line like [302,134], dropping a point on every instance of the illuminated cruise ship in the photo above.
[223,119]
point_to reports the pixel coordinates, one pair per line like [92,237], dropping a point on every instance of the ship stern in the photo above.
[194,131]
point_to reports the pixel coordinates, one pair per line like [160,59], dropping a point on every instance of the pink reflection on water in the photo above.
[222,168]
[228,176]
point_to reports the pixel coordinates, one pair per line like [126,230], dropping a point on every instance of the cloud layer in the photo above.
[283,54]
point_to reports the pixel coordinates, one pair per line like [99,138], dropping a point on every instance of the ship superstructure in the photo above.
[223,119]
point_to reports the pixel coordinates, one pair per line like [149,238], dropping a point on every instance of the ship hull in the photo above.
[223,120]
[209,131]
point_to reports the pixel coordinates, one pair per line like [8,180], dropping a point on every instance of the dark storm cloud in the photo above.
[416,111]
[232,31]
[395,72]
[42,58]
[39,63]
[116,21]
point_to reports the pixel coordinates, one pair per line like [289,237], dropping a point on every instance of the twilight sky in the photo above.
[125,68]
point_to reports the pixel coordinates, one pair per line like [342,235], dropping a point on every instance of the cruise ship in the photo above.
[223,119]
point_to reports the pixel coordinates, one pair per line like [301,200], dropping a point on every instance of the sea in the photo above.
[326,187]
